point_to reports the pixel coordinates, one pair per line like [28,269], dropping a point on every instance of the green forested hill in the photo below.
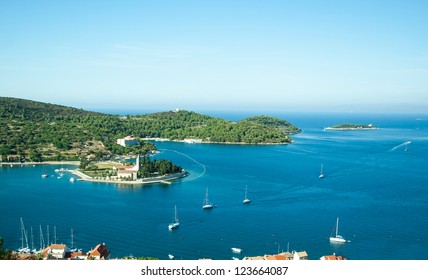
[178,125]
[39,130]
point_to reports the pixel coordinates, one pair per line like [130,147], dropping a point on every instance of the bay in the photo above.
[376,188]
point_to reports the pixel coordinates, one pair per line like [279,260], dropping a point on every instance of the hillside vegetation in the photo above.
[178,125]
[40,131]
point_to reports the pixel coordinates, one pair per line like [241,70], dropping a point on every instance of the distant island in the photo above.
[348,126]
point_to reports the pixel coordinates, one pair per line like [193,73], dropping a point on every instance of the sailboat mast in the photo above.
[72,241]
[47,228]
[32,239]
[23,235]
[42,241]
[337,226]
[206,197]
[54,235]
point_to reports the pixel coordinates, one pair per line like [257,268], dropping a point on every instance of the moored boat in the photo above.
[207,204]
[321,174]
[246,199]
[236,250]
[337,238]
[175,224]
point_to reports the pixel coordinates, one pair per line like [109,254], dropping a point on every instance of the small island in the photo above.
[348,126]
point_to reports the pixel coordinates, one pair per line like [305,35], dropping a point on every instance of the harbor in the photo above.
[362,185]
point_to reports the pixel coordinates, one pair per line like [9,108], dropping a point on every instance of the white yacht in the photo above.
[246,200]
[337,238]
[175,224]
[207,204]
[321,173]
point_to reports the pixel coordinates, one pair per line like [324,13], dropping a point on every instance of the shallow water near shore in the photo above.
[377,189]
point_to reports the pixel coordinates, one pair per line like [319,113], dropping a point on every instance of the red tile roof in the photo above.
[333,258]
[57,246]
[100,250]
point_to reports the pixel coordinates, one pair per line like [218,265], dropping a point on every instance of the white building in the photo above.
[55,251]
[130,172]
[127,141]
[300,255]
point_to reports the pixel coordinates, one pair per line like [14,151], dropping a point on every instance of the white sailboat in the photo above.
[176,223]
[337,238]
[246,200]
[24,249]
[207,204]
[33,248]
[72,248]
[321,173]
[42,240]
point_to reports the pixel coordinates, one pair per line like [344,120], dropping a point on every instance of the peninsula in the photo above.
[348,126]
[103,145]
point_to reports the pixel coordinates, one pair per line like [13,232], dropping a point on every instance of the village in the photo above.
[63,252]
[101,252]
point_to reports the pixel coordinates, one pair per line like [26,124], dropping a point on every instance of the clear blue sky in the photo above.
[217,55]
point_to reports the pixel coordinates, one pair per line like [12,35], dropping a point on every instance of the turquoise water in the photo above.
[377,189]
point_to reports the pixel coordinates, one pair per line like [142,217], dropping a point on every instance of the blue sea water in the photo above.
[377,189]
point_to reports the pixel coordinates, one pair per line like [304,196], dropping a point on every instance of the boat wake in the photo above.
[401,145]
[192,159]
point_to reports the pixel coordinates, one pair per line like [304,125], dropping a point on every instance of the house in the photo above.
[100,252]
[332,258]
[300,255]
[78,255]
[284,256]
[256,258]
[128,141]
[128,172]
[14,158]
[55,251]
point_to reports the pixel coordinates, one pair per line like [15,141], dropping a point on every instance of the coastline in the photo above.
[351,128]
[76,163]
[83,177]
[200,141]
